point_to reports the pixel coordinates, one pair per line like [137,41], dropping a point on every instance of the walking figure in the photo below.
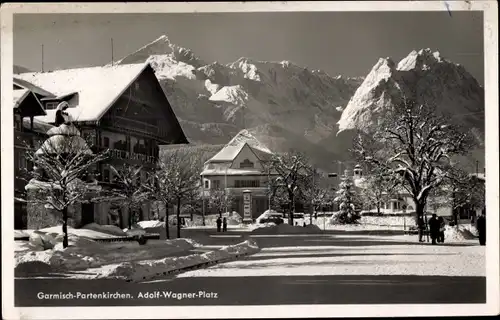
[442,226]
[481,229]
[219,222]
[434,228]
[421,229]
[224,225]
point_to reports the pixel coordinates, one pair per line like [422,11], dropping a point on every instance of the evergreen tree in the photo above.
[347,200]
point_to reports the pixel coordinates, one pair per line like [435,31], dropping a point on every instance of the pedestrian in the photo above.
[481,228]
[442,226]
[434,228]
[224,225]
[219,222]
[421,229]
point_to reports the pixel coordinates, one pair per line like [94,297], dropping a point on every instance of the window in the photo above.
[18,122]
[215,184]
[246,164]
[207,185]
[22,162]
[247,183]
[106,142]
[51,105]
[106,175]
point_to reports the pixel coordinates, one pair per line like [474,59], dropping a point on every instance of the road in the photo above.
[300,269]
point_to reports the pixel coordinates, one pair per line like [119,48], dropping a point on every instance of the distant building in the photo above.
[238,168]
[402,201]
[121,108]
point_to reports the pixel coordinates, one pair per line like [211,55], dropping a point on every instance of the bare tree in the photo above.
[292,170]
[277,195]
[219,200]
[159,188]
[179,173]
[319,193]
[378,188]
[413,142]
[460,191]
[63,170]
[127,185]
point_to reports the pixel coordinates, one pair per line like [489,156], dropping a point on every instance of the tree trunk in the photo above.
[419,208]
[65,226]
[178,217]
[378,208]
[167,229]
[130,216]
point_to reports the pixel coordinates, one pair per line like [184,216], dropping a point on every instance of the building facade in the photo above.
[122,109]
[28,134]
[239,169]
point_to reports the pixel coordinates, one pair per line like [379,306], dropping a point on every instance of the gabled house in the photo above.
[121,108]
[239,168]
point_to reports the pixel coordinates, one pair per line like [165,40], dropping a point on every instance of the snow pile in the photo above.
[151,224]
[287,229]
[457,234]
[388,221]
[144,270]
[102,233]
[84,253]
[107,229]
[22,233]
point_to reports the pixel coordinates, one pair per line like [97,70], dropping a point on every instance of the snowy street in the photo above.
[331,268]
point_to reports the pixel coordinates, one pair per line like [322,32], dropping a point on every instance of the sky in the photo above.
[339,43]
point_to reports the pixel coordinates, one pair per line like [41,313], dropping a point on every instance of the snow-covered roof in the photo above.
[30,86]
[98,87]
[18,96]
[38,126]
[228,153]
[229,172]
[233,148]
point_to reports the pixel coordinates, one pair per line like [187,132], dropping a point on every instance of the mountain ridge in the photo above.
[214,101]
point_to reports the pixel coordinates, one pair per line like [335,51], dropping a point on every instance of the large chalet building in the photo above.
[122,109]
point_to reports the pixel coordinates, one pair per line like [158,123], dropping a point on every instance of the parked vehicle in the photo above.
[270,216]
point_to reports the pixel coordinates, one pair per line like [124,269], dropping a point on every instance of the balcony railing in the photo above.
[125,155]
[120,154]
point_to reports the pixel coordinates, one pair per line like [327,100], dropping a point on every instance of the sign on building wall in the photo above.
[247,206]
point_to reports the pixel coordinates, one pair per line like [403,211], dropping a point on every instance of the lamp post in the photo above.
[203,199]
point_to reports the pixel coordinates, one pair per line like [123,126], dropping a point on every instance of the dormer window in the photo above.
[52,105]
[246,164]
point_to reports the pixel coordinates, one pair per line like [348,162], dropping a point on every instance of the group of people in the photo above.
[436,229]
[221,222]
[437,226]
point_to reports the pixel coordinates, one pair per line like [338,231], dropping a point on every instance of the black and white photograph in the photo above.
[250,159]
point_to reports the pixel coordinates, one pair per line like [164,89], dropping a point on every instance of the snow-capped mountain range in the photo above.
[288,106]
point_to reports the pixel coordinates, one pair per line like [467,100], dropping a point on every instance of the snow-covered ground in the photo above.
[286,229]
[369,255]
